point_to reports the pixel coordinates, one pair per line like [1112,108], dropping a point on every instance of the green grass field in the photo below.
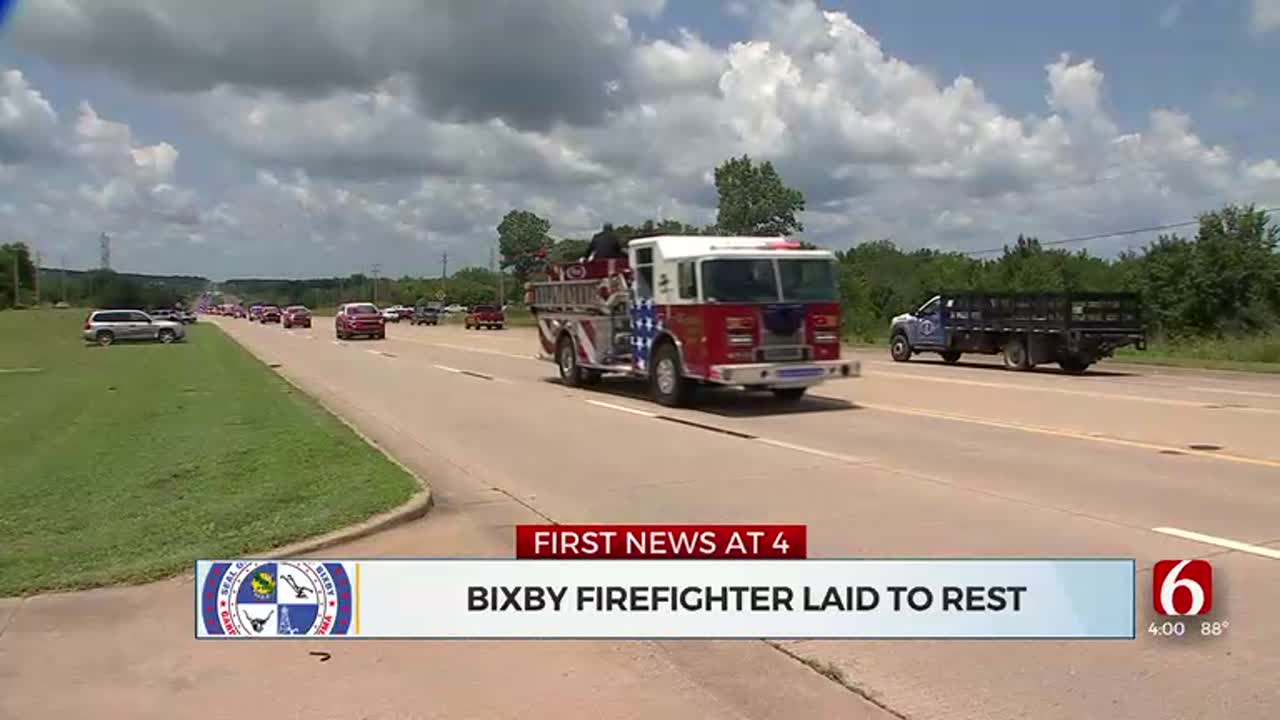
[127,463]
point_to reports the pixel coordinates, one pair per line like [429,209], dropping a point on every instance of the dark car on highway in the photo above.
[269,314]
[359,319]
[427,314]
[296,316]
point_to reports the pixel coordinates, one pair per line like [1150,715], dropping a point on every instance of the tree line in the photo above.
[1223,280]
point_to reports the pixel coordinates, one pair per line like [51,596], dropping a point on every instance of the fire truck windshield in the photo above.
[739,281]
[808,280]
[753,281]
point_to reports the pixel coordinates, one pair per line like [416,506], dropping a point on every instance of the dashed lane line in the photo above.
[1259,550]
[1068,391]
[1266,552]
[1055,432]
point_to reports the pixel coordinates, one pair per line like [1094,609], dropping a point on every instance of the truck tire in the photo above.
[666,377]
[951,357]
[900,348]
[567,362]
[1016,356]
[1074,364]
[789,395]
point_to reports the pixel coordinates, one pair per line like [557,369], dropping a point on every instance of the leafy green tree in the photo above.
[523,242]
[755,201]
[567,250]
[19,253]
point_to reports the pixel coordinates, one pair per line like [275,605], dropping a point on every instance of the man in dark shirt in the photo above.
[604,244]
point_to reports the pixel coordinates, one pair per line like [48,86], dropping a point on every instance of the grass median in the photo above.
[124,464]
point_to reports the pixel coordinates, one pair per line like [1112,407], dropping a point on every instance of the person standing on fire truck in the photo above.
[604,245]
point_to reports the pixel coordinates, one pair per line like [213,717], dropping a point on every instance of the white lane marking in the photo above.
[849,459]
[1062,391]
[339,343]
[813,451]
[1220,542]
[446,368]
[372,352]
[1055,432]
[21,370]
[1251,393]
[622,408]
[466,349]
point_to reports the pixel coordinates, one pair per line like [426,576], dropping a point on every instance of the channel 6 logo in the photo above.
[1182,587]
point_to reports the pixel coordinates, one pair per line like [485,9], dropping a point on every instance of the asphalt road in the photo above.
[915,459]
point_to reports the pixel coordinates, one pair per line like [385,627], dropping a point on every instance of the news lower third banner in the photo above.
[623,599]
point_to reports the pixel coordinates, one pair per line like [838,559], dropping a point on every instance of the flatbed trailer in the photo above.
[1073,329]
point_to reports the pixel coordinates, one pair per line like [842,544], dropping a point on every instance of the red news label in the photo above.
[669,542]
[1182,587]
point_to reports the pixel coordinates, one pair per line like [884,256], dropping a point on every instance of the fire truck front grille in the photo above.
[772,339]
[777,347]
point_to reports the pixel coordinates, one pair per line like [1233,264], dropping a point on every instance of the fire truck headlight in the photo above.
[826,337]
[741,340]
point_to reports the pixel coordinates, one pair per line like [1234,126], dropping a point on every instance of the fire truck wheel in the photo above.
[899,348]
[567,362]
[789,394]
[666,379]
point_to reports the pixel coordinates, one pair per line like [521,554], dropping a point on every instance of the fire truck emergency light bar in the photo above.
[756,583]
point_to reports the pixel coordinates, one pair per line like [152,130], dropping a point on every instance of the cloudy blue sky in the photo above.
[300,137]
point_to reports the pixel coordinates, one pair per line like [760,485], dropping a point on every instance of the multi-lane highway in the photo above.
[916,459]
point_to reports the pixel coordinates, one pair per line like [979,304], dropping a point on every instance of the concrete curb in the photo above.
[416,507]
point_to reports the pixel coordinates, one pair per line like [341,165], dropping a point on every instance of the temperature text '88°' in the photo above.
[1177,628]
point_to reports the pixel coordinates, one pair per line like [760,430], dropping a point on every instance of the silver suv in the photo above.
[107,326]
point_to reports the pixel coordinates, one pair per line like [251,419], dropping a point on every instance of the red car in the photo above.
[359,319]
[296,316]
[482,316]
[269,314]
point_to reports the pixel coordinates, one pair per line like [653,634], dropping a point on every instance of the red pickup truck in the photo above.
[484,316]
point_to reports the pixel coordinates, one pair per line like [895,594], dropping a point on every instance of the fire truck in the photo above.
[684,311]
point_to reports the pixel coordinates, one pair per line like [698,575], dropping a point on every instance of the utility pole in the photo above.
[376,268]
[104,250]
[64,278]
[36,278]
[492,269]
[444,275]
[502,294]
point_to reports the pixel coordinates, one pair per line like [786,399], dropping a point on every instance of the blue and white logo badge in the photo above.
[275,599]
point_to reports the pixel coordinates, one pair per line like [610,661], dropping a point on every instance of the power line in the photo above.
[1117,233]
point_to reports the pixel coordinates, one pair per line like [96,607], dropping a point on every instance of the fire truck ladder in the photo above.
[582,297]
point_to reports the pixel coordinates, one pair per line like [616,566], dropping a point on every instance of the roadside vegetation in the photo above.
[1212,296]
[127,463]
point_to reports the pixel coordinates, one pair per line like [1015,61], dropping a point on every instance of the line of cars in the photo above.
[365,319]
[290,317]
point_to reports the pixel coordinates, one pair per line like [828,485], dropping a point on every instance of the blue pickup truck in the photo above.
[1075,330]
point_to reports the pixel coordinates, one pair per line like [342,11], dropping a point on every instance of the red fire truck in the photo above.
[678,311]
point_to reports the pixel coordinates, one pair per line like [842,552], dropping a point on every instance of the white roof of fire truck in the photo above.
[679,247]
